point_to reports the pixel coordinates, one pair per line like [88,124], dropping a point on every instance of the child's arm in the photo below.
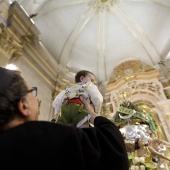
[95,96]
[58,102]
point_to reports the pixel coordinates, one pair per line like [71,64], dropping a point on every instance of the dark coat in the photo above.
[41,144]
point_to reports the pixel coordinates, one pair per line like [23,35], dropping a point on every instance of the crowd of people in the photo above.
[26,142]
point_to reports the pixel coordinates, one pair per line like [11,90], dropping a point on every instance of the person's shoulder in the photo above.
[43,129]
[59,95]
[101,120]
[42,123]
[35,126]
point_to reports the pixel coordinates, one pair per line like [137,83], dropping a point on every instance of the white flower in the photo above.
[132,167]
[136,167]
[135,160]
[142,159]
[142,167]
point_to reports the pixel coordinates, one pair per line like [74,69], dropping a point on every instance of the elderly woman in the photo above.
[26,143]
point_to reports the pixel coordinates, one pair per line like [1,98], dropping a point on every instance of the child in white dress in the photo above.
[73,110]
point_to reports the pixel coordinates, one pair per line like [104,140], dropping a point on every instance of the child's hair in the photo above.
[81,73]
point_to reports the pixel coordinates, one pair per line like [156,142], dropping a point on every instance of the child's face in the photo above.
[89,77]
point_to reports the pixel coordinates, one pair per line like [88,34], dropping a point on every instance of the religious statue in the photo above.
[146,151]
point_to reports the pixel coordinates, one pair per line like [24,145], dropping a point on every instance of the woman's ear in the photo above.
[23,107]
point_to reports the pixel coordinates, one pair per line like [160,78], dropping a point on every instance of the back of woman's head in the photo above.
[12,88]
[81,73]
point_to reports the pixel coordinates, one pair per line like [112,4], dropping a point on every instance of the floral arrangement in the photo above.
[141,163]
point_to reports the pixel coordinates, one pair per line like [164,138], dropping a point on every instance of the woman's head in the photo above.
[84,76]
[13,91]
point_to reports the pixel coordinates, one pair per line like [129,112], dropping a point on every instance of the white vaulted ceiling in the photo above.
[97,35]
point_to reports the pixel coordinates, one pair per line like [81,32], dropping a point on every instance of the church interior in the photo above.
[125,43]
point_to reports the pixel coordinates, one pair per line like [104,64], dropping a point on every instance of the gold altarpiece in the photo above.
[136,82]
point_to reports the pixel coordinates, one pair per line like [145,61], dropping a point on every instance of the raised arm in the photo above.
[96,97]
[58,102]
[105,140]
[90,109]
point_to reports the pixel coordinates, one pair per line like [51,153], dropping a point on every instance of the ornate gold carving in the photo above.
[129,69]
[125,93]
[9,44]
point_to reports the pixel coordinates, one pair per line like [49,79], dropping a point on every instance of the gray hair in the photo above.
[14,89]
